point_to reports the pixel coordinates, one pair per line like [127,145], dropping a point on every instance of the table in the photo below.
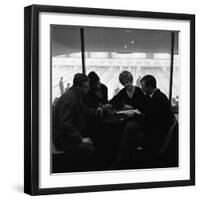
[108,133]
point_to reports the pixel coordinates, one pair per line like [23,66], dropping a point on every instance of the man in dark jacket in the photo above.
[98,93]
[70,117]
[158,113]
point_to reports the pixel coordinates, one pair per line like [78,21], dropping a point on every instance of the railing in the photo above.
[115,62]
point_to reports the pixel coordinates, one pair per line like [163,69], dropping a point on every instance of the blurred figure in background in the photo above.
[61,86]
[68,86]
[138,81]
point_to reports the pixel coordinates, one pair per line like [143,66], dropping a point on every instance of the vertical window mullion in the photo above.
[83,50]
[171,65]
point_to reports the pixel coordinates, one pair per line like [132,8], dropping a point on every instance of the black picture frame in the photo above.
[31,98]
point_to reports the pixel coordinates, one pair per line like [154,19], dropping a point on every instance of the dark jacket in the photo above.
[137,100]
[158,118]
[93,100]
[70,117]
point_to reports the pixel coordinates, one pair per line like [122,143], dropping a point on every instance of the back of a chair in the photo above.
[170,134]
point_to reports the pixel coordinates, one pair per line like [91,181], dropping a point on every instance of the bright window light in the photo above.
[98,54]
[176,57]
[60,56]
[128,55]
[161,56]
[75,55]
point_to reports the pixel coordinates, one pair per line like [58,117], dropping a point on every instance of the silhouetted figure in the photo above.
[174,101]
[61,86]
[70,119]
[138,81]
[68,86]
[158,119]
[98,93]
[158,113]
[177,100]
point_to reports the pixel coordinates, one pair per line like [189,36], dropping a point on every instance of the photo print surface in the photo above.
[114,98]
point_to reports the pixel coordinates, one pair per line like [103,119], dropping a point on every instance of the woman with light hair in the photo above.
[128,98]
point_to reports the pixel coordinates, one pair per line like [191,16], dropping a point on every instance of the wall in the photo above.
[11,101]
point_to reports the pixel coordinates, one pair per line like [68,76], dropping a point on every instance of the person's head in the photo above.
[126,79]
[148,84]
[81,81]
[61,78]
[94,80]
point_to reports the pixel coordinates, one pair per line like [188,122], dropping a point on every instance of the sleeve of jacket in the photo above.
[143,102]
[105,94]
[116,101]
[67,113]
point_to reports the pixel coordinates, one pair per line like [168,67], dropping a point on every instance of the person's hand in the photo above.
[138,112]
[130,113]
[127,107]
[87,140]
[99,111]
[107,106]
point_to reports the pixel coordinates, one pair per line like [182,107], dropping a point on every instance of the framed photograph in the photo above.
[109,99]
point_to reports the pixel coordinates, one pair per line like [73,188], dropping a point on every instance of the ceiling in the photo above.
[66,40]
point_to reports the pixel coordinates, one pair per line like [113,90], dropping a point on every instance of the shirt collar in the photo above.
[151,95]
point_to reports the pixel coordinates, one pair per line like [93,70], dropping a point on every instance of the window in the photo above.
[66,57]
[108,51]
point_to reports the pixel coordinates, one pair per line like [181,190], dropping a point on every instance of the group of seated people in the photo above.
[88,99]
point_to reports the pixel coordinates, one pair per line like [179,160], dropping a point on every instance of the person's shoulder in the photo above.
[103,86]
[158,92]
[161,95]
[122,91]
[138,90]
[69,95]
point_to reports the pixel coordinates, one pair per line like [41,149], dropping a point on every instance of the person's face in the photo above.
[127,84]
[144,88]
[85,87]
[98,84]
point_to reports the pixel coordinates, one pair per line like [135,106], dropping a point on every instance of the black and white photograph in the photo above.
[115,98]
[109,99]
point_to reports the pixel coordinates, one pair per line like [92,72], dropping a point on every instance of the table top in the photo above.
[119,116]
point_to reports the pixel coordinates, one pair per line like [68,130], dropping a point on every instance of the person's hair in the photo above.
[125,75]
[93,78]
[79,79]
[149,80]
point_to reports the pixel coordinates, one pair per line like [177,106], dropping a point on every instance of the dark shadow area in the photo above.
[107,140]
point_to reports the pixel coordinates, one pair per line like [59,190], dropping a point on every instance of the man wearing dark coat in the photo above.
[70,119]
[158,112]
[98,93]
